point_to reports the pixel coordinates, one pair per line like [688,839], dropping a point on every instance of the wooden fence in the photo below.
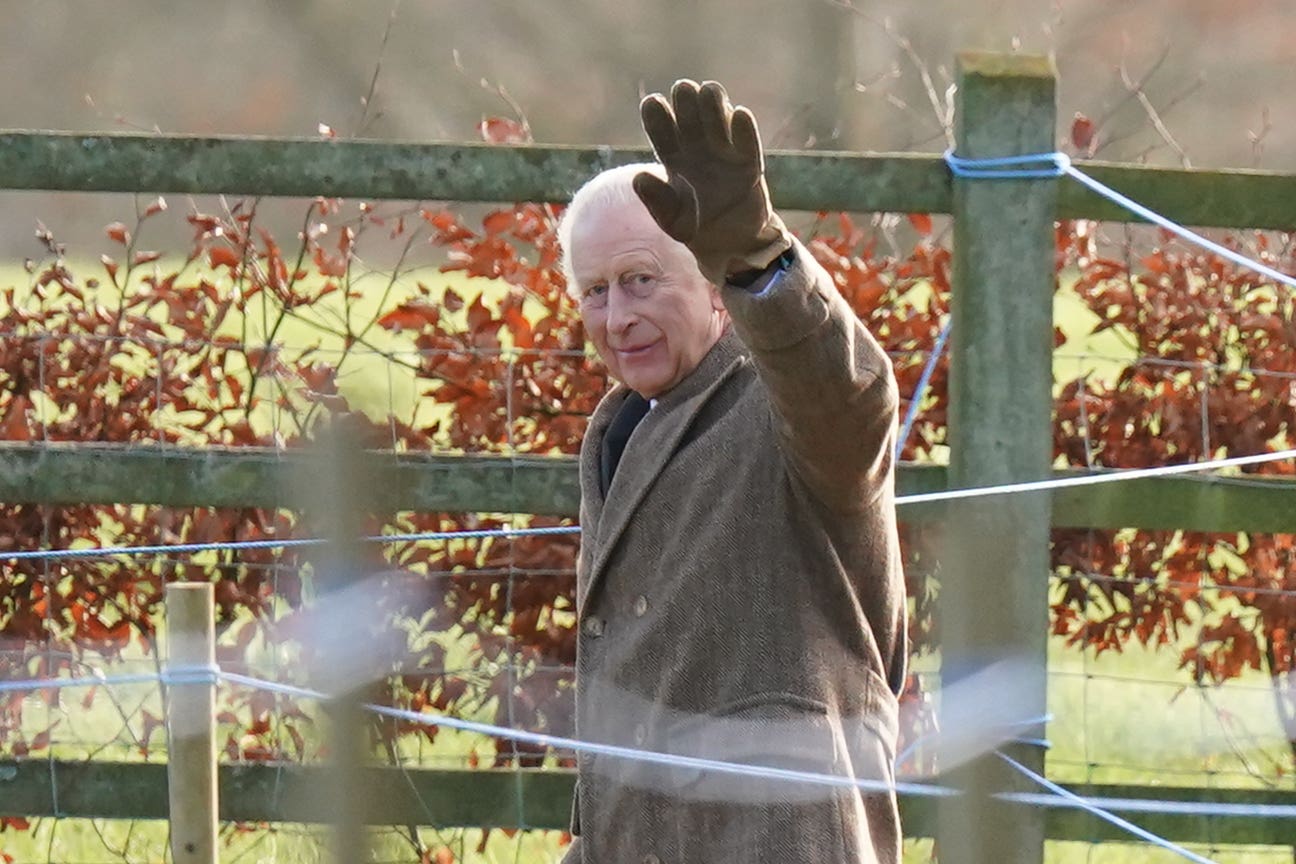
[1005,108]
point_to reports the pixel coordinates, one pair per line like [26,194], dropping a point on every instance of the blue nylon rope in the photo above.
[1059,164]
[179,675]
[612,750]
[1175,228]
[1093,479]
[1125,824]
[172,675]
[921,389]
[1043,166]
[179,548]
[1009,167]
[1003,168]
[1159,806]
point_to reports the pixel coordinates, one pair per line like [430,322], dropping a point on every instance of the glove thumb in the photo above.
[673,204]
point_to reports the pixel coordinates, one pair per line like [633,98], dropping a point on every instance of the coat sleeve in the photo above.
[830,383]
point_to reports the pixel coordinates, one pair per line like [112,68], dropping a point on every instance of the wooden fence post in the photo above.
[335,497]
[191,722]
[994,585]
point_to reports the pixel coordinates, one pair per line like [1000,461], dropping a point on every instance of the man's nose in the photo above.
[621,313]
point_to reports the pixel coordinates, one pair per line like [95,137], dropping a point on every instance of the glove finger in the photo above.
[672,205]
[746,138]
[659,125]
[716,113]
[684,98]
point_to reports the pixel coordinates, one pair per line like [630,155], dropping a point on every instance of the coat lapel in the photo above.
[591,452]
[651,446]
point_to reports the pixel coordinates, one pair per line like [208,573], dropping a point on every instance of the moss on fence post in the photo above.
[994,601]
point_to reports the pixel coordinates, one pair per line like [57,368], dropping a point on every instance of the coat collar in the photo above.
[653,443]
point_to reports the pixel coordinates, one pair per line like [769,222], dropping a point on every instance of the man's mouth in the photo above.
[636,351]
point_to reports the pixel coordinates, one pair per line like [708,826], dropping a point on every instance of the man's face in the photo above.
[650,313]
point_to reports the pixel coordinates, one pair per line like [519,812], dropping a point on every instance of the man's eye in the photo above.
[595,290]
[640,284]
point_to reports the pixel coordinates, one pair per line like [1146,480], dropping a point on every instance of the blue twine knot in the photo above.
[1028,166]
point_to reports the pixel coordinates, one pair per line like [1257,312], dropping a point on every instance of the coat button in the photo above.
[640,606]
[640,735]
[651,859]
[594,627]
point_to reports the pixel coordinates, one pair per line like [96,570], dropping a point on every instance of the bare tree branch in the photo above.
[1150,110]
[499,90]
[366,102]
[1134,94]
[1129,92]
[942,107]
[1258,138]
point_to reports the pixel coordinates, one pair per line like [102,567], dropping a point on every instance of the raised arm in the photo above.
[830,383]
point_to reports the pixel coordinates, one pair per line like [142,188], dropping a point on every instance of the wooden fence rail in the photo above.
[537,798]
[875,182]
[547,485]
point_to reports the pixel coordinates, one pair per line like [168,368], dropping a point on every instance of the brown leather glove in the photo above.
[715,200]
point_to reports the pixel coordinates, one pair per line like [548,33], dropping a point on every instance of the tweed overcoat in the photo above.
[740,598]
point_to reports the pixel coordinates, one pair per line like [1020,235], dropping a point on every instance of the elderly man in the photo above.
[740,597]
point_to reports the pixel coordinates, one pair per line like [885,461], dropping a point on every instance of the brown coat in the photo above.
[741,599]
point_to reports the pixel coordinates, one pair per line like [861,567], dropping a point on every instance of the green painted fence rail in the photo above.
[85,474]
[536,798]
[256,477]
[887,182]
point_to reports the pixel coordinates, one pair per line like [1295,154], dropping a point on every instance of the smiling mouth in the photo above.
[636,352]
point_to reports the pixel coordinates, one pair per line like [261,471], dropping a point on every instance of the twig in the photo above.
[1258,138]
[352,337]
[367,101]
[1287,717]
[121,853]
[121,119]
[261,837]
[394,760]
[1233,744]
[782,134]
[1165,109]
[1150,110]
[1129,93]
[891,74]
[499,90]
[944,112]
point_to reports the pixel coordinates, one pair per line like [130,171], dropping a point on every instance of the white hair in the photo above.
[611,188]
